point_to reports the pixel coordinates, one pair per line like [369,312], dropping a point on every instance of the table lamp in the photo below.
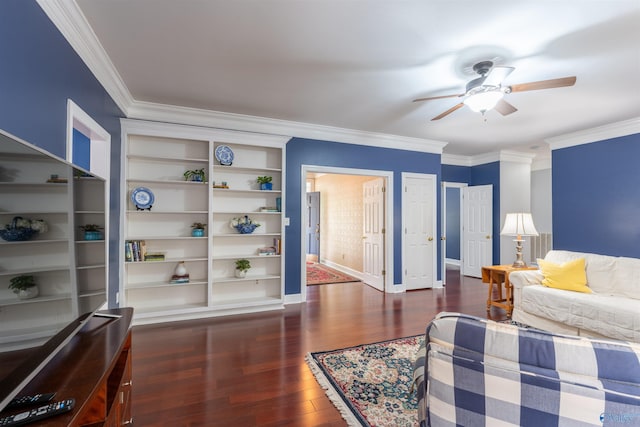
[519,224]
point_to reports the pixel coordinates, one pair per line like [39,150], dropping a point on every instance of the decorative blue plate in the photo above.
[224,154]
[142,198]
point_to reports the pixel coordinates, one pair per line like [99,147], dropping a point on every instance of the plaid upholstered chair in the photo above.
[474,372]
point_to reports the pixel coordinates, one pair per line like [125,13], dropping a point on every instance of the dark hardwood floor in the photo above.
[249,370]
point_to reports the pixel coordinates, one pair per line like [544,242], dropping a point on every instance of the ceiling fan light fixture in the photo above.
[483,101]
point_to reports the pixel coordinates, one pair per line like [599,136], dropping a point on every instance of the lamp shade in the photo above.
[519,224]
[483,101]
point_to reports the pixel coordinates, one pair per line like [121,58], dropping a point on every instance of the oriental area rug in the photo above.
[371,384]
[319,274]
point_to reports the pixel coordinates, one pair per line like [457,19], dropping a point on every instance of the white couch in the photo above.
[611,311]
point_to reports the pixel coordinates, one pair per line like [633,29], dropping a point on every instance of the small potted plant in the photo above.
[242,266]
[197,229]
[92,231]
[244,225]
[24,286]
[196,175]
[265,182]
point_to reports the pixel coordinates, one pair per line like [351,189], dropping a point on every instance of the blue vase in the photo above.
[92,235]
[197,232]
[266,186]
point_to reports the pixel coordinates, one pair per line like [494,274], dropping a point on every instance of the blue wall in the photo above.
[39,72]
[324,153]
[596,197]
[451,173]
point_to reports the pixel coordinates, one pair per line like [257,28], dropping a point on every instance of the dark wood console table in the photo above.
[94,368]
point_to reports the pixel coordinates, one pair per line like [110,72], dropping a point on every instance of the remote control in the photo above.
[22,401]
[37,413]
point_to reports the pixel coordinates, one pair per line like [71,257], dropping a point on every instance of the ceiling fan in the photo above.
[486,92]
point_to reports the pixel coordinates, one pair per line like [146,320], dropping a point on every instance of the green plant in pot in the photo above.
[242,266]
[92,231]
[196,175]
[265,182]
[24,286]
[197,229]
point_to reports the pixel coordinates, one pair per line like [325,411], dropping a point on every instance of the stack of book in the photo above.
[135,250]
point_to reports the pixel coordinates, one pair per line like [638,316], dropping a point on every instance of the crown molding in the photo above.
[482,159]
[600,133]
[71,22]
[217,119]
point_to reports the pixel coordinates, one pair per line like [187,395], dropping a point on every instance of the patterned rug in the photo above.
[319,274]
[371,384]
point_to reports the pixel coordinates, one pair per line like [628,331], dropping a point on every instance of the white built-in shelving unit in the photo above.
[155,156]
[70,274]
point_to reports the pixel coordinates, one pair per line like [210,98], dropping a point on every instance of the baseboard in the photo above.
[452,261]
[343,269]
[293,299]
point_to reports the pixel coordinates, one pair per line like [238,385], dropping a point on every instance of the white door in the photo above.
[477,229]
[419,228]
[373,233]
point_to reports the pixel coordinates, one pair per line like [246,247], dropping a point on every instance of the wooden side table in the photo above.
[498,274]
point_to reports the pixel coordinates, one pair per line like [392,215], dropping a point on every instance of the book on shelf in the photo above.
[267,251]
[135,250]
[277,245]
[154,256]
[269,209]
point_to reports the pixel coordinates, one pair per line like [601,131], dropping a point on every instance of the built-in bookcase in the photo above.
[156,155]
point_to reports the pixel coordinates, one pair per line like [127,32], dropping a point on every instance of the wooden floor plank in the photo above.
[249,370]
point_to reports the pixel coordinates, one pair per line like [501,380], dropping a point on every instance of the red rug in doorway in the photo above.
[319,274]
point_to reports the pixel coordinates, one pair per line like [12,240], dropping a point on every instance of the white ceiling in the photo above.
[358,64]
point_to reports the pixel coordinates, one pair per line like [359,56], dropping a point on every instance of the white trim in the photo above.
[223,120]
[71,22]
[405,213]
[389,215]
[482,159]
[100,140]
[451,261]
[293,299]
[600,133]
[541,164]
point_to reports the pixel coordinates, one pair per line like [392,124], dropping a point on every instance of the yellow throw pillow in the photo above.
[570,276]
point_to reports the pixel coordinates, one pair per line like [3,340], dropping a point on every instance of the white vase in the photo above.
[181,270]
[28,293]
[241,274]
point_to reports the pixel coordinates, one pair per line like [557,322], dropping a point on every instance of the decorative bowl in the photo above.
[246,228]
[18,234]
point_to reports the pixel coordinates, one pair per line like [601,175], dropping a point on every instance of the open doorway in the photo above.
[340,225]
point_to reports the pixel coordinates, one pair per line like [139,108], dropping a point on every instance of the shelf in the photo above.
[165,238]
[247,191]
[33,242]
[244,279]
[143,312]
[90,267]
[36,300]
[244,235]
[34,270]
[246,213]
[165,261]
[161,159]
[241,302]
[139,212]
[169,182]
[150,285]
[242,169]
[232,257]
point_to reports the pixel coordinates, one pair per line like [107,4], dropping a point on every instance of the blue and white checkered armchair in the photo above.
[474,372]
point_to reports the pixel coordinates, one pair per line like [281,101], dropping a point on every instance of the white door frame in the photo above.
[388,219]
[443,197]
[434,225]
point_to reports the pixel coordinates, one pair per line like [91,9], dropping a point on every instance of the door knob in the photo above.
[487,236]
[430,239]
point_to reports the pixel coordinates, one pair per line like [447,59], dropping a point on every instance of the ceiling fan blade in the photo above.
[504,108]
[544,84]
[438,97]
[449,111]
[497,75]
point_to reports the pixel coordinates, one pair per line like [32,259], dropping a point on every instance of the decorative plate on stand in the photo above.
[142,198]
[224,155]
